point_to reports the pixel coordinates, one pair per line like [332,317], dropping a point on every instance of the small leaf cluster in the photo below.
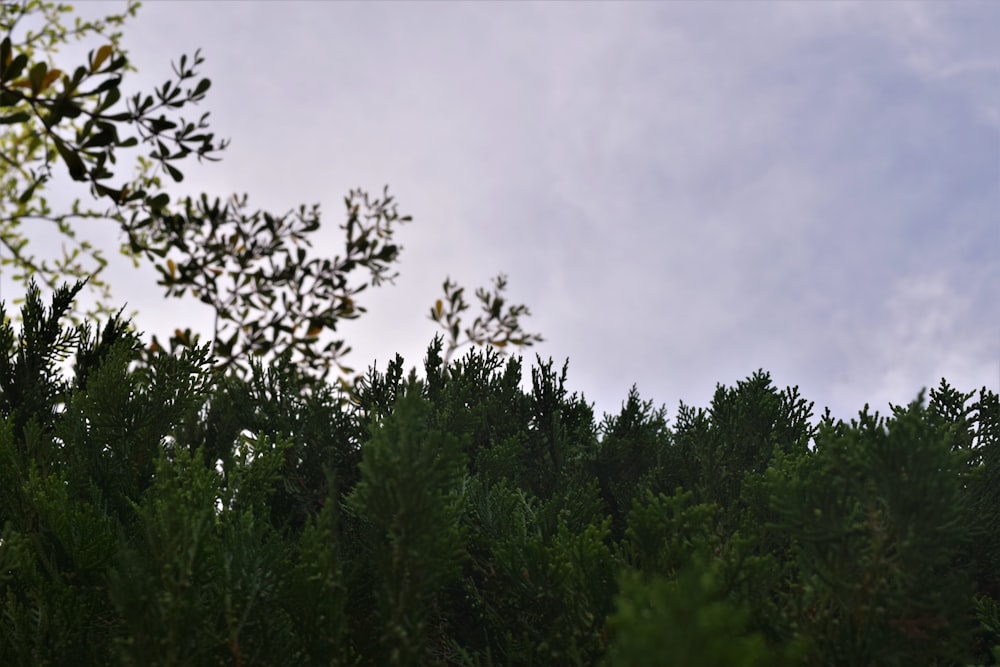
[166,512]
[493,327]
[255,271]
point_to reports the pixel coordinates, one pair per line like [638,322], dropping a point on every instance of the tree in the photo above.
[254,269]
[80,119]
[171,514]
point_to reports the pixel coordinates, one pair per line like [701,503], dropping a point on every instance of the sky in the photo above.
[681,192]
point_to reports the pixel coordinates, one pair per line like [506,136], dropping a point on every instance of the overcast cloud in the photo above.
[681,192]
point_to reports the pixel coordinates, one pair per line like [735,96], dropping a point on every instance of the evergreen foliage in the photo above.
[165,513]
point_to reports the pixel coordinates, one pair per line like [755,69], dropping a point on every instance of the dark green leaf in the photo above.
[65,108]
[105,191]
[4,55]
[78,76]
[114,94]
[77,170]
[17,65]
[9,98]
[110,83]
[19,117]
[26,195]
[174,172]
[159,201]
[37,75]
[101,139]
[117,63]
[161,124]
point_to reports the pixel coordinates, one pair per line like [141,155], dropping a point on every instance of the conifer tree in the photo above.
[166,513]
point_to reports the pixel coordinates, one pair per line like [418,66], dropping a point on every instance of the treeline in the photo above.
[155,511]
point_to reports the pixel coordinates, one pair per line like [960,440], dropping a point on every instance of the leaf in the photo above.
[100,139]
[26,196]
[159,201]
[14,68]
[438,308]
[161,124]
[104,191]
[64,108]
[5,55]
[106,85]
[118,63]
[49,78]
[112,97]
[19,117]
[202,87]
[102,54]
[36,75]
[175,173]
[77,170]
[9,98]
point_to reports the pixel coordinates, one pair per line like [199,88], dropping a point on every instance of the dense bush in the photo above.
[160,513]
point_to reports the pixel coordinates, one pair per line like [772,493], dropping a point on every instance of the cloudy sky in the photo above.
[682,192]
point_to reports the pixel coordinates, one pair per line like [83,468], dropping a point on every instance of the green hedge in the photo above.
[162,514]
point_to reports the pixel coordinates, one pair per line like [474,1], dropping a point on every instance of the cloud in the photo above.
[681,192]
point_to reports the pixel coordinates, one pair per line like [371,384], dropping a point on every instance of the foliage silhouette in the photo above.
[268,293]
[169,513]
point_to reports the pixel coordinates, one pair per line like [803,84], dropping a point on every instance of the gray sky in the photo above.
[681,192]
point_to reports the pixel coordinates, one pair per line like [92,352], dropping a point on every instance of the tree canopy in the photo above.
[172,514]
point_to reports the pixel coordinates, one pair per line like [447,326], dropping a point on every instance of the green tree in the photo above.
[408,500]
[167,513]
[687,621]
[875,514]
[270,295]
